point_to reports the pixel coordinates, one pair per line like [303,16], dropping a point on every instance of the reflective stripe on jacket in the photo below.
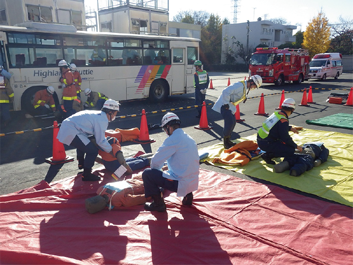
[6,92]
[269,123]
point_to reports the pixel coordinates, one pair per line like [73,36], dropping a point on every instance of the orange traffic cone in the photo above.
[350,98]
[237,115]
[59,155]
[144,137]
[281,101]
[211,85]
[304,99]
[310,96]
[203,125]
[261,109]
[228,81]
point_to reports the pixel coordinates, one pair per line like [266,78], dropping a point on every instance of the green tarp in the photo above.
[340,120]
[332,180]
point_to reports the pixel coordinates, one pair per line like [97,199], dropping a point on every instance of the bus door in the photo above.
[178,85]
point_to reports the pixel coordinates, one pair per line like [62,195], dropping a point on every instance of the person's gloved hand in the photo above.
[203,91]
[47,106]
[226,106]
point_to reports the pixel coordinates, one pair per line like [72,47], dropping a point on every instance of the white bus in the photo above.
[122,66]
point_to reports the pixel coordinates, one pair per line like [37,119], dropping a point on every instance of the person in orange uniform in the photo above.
[78,105]
[43,101]
[69,92]
[125,193]
[115,161]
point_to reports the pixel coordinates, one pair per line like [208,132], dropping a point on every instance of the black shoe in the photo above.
[227,142]
[88,176]
[152,206]
[187,200]
[268,159]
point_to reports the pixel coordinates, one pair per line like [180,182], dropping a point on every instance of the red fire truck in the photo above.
[280,65]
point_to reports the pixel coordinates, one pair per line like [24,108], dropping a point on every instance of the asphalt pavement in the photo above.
[26,143]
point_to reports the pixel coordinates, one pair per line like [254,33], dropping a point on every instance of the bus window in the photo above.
[132,56]
[150,55]
[178,55]
[192,54]
[47,57]
[115,57]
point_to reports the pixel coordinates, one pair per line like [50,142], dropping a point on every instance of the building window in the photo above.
[39,13]
[3,20]
[77,19]
[139,26]
[70,17]
[106,26]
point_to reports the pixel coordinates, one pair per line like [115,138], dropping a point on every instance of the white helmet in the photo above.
[50,89]
[73,67]
[62,63]
[289,103]
[111,104]
[257,80]
[170,116]
[88,91]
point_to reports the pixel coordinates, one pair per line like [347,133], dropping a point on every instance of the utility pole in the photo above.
[247,41]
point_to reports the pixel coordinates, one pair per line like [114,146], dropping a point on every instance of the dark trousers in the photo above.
[68,107]
[90,150]
[135,163]
[229,121]
[100,103]
[41,110]
[153,179]
[275,148]
[199,99]
[5,111]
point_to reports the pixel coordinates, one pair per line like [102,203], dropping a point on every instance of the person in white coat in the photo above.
[226,104]
[180,152]
[77,130]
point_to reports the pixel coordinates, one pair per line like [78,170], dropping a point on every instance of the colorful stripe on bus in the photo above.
[148,73]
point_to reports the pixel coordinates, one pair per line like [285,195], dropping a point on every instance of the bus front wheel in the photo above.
[159,91]
[28,98]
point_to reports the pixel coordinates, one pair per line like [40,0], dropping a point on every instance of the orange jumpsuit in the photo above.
[42,97]
[127,193]
[69,92]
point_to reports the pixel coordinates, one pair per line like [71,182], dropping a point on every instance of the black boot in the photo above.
[157,205]
[187,200]
[81,161]
[227,142]
[268,159]
[88,176]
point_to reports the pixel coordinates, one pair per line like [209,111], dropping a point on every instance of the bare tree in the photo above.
[198,17]
[279,20]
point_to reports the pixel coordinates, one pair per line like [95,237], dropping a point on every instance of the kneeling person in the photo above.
[180,152]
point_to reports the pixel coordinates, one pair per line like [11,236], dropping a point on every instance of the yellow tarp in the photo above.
[332,180]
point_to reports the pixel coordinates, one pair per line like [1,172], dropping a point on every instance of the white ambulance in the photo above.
[325,65]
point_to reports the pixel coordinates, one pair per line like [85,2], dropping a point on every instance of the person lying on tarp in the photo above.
[124,193]
[313,155]
[116,163]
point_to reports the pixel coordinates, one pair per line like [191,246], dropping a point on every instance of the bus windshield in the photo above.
[262,59]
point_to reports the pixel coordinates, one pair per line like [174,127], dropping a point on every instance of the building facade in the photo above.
[14,12]
[251,34]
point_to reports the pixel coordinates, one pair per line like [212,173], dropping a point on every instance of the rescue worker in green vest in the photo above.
[226,104]
[6,98]
[273,137]
[95,100]
[44,102]
[201,81]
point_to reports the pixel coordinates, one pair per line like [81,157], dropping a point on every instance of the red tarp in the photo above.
[232,221]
